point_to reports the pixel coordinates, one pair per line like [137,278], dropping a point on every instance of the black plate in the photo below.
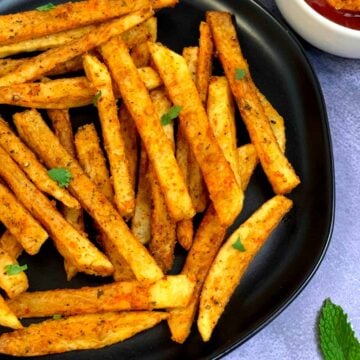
[293,253]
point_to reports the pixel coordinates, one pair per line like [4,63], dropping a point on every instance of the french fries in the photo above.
[228,198]
[11,246]
[20,223]
[158,147]
[276,166]
[7,318]
[91,331]
[39,137]
[248,160]
[234,258]
[169,292]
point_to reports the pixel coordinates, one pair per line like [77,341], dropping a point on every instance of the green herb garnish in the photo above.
[46,7]
[96,98]
[15,269]
[57,317]
[240,73]
[238,245]
[61,176]
[172,114]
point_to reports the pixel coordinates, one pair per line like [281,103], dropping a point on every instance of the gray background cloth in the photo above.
[293,334]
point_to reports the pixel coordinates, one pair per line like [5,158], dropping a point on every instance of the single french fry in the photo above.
[38,136]
[152,28]
[20,223]
[141,221]
[276,166]
[221,113]
[231,263]
[40,65]
[92,159]
[158,4]
[185,233]
[26,159]
[141,108]
[13,285]
[11,246]
[169,292]
[204,64]
[163,227]
[227,197]
[32,24]
[248,160]
[124,196]
[197,188]
[91,331]
[140,55]
[70,243]
[7,318]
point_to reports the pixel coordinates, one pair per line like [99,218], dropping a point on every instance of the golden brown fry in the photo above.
[276,166]
[11,246]
[221,113]
[231,262]
[141,222]
[140,55]
[20,223]
[227,197]
[26,159]
[13,285]
[248,160]
[124,196]
[91,331]
[169,292]
[191,56]
[7,318]
[204,63]
[39,137]
[39,65]
[185,233]
[141,108]
[33,24]
[158,4]
[71,244]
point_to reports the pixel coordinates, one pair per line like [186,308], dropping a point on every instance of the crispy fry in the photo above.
[158,147]
[158,4]
[221,113]
[169,292]
[191,56]
[231,263]
[33,24]
[248,160]
[276,166]
[20,223]
[31,126]
[7,318]
[124,196]
[185,233]
[26,159]
[11,246]
[91,331]
[140,224]
[13,285]
[140,55]
[204,63]
[71,244]
[39,65]
[227,198]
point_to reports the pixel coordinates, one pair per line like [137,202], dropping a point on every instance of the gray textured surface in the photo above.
[292,335]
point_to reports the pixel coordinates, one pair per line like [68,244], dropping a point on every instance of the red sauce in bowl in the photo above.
[350,19]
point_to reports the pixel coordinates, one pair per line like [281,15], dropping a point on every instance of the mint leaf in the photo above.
[238,245]
[172,114]
[46,7]
[57,317]
[15,269]
[240,73]
[96,98]
[337,338]
[61,176]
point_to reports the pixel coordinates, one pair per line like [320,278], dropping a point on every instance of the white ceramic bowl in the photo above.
[320,31]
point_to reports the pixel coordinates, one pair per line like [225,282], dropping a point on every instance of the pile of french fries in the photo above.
[141,179]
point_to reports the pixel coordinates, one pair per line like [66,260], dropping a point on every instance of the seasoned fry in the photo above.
[39,137]
[248,160]
[141,108]
[276,166]
[124,196]
[71,244]
[140,55]
[34,24]
[7,318]
[26,159]
[39,65]
[221,113]
[185,233]
[20,223]
[169,292]
[13,285]
[140,224]
[91,331]
[11,246]
[191,56]
[231,262]
[227,198]
[204,63]
[158,4]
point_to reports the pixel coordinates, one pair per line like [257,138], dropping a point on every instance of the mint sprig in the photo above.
[61,176]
